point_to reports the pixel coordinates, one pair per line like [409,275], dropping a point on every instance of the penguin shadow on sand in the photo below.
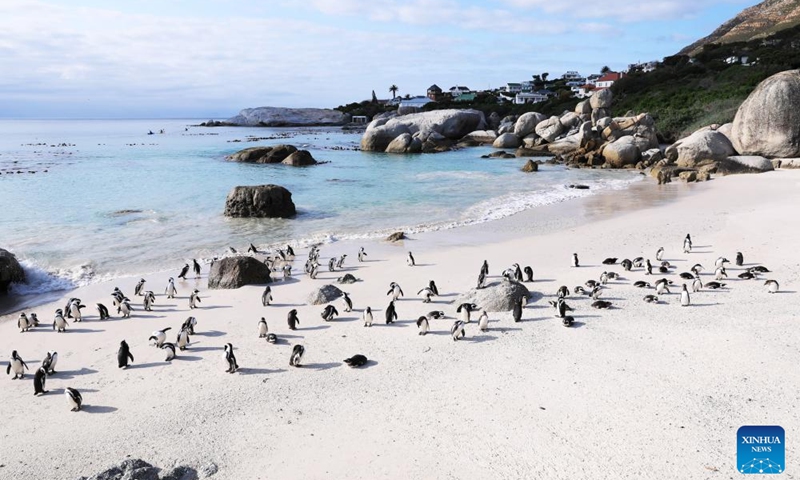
[320,366]
[192,348]
[479,338]
[259,371]
[137,366]
[212,307]
[281,305]
[211,333]
[316,327]
[82,330]
[98,409]
[70,374]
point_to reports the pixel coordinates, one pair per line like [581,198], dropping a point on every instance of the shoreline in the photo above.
[532,399]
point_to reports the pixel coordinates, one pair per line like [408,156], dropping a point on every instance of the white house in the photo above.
[583,91]
[608,79]
[533,97]
[512,87]
[737,59]
[571,75]
[459,90]
[413,103]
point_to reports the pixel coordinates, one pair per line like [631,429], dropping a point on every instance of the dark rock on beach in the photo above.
[10,270]
[260,201]
[235,272]
[396,237]
[300,158]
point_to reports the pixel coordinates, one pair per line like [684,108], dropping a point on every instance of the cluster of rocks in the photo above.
[10,270]
[235,272]
[288,117]
[425,132]
[136,469]
[260,201]
[285,154]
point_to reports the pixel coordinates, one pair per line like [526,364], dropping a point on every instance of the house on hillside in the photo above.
[643,67]
[466,97]
[532,97]
[738,59]
[434,92]
[571,75]
[458,90]
[608,79]
[593,78]
[583,91]
[512,88]
[412,105]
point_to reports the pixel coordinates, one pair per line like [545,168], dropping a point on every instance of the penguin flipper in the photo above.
[130,356]
[8,369]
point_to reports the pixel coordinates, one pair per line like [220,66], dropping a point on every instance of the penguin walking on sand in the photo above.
[332,265]
[18,365]
[575,262]
[395,291]
[292,319]
[124,309]
[74,399]
[266,297]
[696,285]
[263,329]
[457,330]
[329,313]
[50,361]
[483,321]
[103,311]
[148,301]
[648,267]
[139,288]
[171,291]
[367,316]
[391,313]
[466,309]
[159,337]
[528,274]
[340,262]
[189,325]
[182,341]
[196,267]
[423,325]
[170,348]
[184,271]
[194,299]
[685,297]
[75,310]
[23,323]
[662,288]
[59,322]
[410,260]
[739,259]
[39,379]
[772,286]
[348,304]
[123,355]
[230,358]
[485,268]
[562,308]
[361,254]
[687,244]
[297,355]
[660,254]
[426,293]
[517,311]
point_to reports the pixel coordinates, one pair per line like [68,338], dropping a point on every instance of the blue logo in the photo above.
[761,449]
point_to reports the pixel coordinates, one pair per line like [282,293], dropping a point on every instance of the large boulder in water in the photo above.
[300,158]
[10,270]
[260,201]
[701,147]
[273,154]
[768,121]
[235,272]
[506,140]
[324,294]
[451,124]
[619,154]
[496,297]
[288,117]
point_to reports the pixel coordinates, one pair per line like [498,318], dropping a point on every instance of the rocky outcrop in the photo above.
[506,140]
[260,201]
[549,129]
[768,122]
[235,272]
[701,147]
[300,158]
[404,143]
[744,164]
[445,124]
[620,154]
[10,270]
[273,154]
[530,166]
[601,99]
[288,117]
[526,123]
[496,297]
[396,237]
[481,136]
[347,278]
[136,469]
[324,294]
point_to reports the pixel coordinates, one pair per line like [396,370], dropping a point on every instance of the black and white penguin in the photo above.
[340,262]
[159,337]
[714,285]
[591,284]
[575,261]
[579,290]
[59,322]
[747,275]
[466,309]
[426,293]
[648,267]
[528,273]
[138,289]
[410,260]
[184,271]
[721,261]
[517,311]
[685,296]
[74,399]
[651,299]
[759,269]
[601,304]
[103,311]
[485,268]
[23,323]
[423,325]
[292,319]
[627,265]
[263,329]
[562,292]
[50,361]
[266,297]
[562,308]
[171,291]
[638,262]
[433,287]
[660,254]
[596,292]
[194,299]
[123,355]
[252,249]
[367,316]
[739,259]
[196,267]
[189,325]
[662,288]
[332,265]
[272,338]
[297,355]
[696,285]
[287,271]
[687,276]
[34,320]
[391,313]
[481,280]
[148,301]
[124,309]
[289,251]
[610,261]
[39,379]
[68,308]
[518,273]
[604,278]
[170,348]
[17,364]
[435,315]
[772,286]
[483,321]
[356,361]
[182,341]
[361,254]
[329,313]
[230,358]
[348,304]
[395,291]
[567,321]
[75,309]
[457,330]
[641,284]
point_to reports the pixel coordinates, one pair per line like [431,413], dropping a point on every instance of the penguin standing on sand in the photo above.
[348,304]
[660,254]
[50,361]
[457,330]
[395,291]
[17,364]
[292,319]
[184,271]
[426,293]
[528,274]
[772,286]
[575,262]
[138,289]
[170,348]
[123,355]
[75,310]
[23,323]
[39,379]
[266,297]
[297,355]
[739,259]
[517,312]
[159,337]
[367,316]
[329,313]
[361,254]
[171,291]
[189,325]
[74,399]
[332,265]
[103,311]
[34,320]
[465,309]
[483,321]
[423,325]
[648,267]
[685,296]
[194,299]
[196,268]
[125,309]
[149,300]
[230,358]
[340,262]
[410,260]
[518,273]
[687,244]
[182,341]
[59,322]
[263,329]
[696,285]
[434,288]
[626,265]
[391,313]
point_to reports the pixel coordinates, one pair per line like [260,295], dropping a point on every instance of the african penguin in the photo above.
[292,319]
[74,399]
[262,328]
[684,296]
[423,325]
[297,355]
[356,361]
[17,364]
[230,359]
[367,316]
[123,355]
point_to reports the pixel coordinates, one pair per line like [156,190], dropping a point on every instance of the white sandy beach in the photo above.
[641,391]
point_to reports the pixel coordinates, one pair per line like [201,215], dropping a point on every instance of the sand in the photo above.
[638,391]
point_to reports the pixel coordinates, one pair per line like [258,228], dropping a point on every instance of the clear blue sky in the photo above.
[211,58]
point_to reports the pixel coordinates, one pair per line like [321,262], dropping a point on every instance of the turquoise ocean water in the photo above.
[115,201]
